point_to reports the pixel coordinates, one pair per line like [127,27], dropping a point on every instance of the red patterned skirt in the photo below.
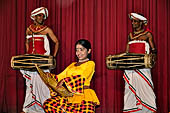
[61,105]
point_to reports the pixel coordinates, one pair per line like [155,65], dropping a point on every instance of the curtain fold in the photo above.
[105,24]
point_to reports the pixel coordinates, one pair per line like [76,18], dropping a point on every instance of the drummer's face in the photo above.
[136,23]
[81,52]
[39,18]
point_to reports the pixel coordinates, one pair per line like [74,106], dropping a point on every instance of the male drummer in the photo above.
[139,96]
[37,43]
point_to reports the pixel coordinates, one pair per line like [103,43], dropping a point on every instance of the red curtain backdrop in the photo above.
[105,24]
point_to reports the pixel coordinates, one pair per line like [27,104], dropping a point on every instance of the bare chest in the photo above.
[142,38]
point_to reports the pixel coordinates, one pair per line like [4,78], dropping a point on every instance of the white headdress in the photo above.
[40,10]
[139,17]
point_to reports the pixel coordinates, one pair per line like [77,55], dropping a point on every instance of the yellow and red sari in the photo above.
[77,80]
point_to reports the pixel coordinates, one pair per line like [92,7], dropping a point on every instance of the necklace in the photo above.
[84,60]
[138,32]
[37,29]
[79,63]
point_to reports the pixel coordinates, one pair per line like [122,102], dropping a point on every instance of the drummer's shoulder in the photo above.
[28,31]
[130,36]
[48,29]
[149,34]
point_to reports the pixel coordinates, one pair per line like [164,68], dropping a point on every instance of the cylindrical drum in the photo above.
[130,61]
[28,61]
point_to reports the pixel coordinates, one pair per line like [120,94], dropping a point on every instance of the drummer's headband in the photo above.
[139,17]
[40,10]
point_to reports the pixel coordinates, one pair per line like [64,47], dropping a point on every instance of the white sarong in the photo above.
[139,96]
[36,90]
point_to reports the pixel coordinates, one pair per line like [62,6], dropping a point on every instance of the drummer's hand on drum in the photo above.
[154,53]
[154,57]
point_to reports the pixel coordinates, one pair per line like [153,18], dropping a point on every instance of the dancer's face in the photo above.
[82,52]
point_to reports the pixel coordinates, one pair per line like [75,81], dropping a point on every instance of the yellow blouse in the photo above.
[86,70]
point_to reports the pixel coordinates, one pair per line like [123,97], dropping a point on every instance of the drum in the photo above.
[28,61]
[130,61]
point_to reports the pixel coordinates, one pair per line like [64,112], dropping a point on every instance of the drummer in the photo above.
[37,43]
[36,34]
[139,96]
